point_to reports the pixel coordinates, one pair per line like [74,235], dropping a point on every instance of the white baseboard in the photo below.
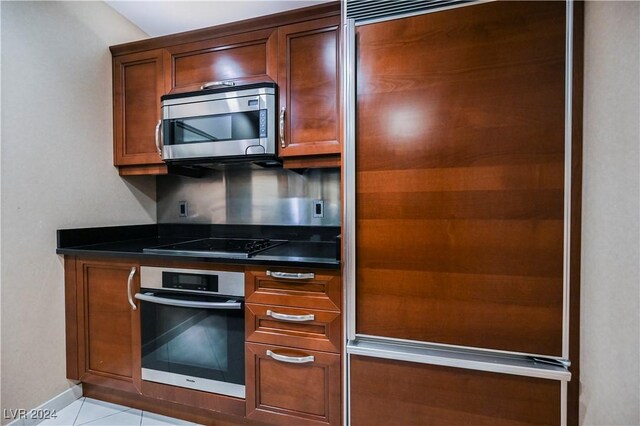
[56,403]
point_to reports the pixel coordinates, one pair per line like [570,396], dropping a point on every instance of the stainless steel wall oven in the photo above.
[192,329]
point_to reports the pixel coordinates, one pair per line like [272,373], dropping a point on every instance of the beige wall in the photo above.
[56,173]
[610,294]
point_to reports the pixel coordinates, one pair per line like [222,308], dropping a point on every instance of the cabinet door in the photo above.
[286,391]
[108,326]
[389,392]
[308,80]
[460,177]
[243,58]
[139,79]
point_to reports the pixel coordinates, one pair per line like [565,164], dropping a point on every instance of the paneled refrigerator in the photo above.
[462,194]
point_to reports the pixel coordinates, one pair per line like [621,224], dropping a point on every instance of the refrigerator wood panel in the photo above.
[405,393]
[460,177]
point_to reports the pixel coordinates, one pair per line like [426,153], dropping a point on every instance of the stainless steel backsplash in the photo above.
[251,195]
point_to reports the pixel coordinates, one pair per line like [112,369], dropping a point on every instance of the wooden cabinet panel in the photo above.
[322,333]
[460,177]
[309,80]
[108,328]
[386,392]
[139,79]
[290,393]
[244,58]
[324,291]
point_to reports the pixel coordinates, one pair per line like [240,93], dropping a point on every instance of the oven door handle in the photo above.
[230,304]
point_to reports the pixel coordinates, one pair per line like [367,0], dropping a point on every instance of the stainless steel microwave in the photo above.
[226,123]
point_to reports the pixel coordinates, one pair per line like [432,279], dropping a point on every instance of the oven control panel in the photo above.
[192,280]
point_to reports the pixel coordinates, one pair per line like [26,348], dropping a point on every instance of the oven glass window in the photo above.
[215,128]
[204,343]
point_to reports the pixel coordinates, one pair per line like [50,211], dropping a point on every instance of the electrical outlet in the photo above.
[183,207]
[318,208]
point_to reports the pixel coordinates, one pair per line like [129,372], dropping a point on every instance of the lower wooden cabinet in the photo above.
[103,342]
[292,386]
[389,392]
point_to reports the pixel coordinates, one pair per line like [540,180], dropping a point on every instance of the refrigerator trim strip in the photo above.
[568,104]
[348,93]
[457,348]
[349,272]
[563,403]
[413,353]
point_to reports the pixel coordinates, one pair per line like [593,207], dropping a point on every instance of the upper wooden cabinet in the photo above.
[139,79]
[244,58]
[309,83]
[299,50]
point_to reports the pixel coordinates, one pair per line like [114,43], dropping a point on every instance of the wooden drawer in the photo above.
[275,325]
[322,290]
[292,393]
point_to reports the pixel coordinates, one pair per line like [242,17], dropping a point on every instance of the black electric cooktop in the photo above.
[236,248]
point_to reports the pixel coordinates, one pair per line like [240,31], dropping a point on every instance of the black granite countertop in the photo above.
[307,246]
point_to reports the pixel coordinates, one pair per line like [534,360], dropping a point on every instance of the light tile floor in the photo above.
[91,412]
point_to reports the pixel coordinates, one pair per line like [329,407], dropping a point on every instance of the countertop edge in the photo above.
[78,251]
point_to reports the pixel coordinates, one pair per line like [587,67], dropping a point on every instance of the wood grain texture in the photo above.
[321,334]
[293,394]
[460,156]
[322,292]
[163,407]
[385,392]
[194,398]
[309,80]
[312,162]
[263,22]
[244,58]
[108,329]
[154,169]
[70,317]
[139,80]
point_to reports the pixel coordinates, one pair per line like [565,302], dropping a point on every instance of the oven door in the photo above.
[193,341]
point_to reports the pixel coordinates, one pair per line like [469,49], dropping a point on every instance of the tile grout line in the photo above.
[75,419]
[104,417]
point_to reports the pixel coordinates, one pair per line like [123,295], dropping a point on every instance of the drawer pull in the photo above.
[292,275]
[291,318]
[291,359]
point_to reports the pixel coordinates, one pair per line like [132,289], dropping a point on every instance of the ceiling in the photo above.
[158,18]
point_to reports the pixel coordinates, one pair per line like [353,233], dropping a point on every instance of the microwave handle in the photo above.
[159,138]
[211,84]
[231,304]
